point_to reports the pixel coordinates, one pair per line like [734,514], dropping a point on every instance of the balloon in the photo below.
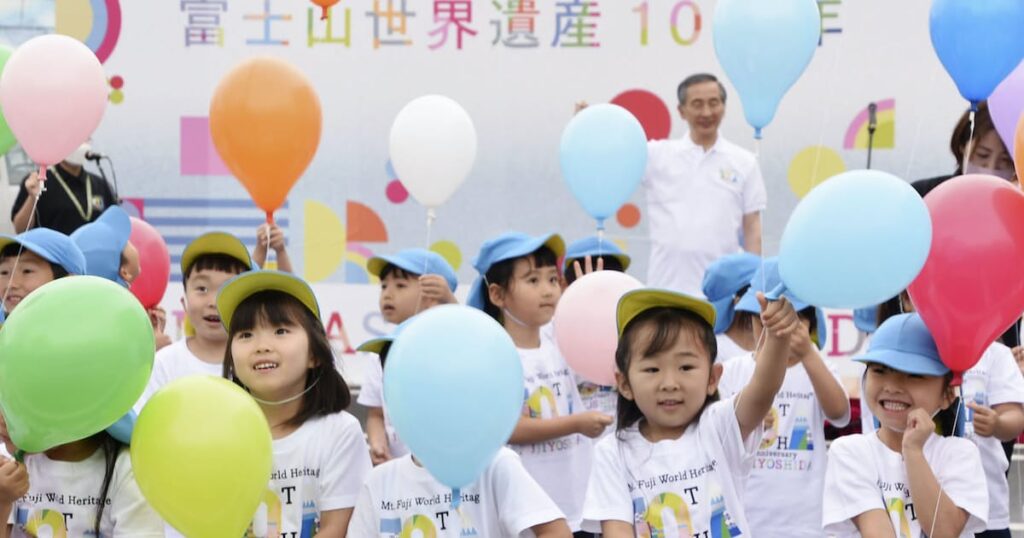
[7,140]
[585,325]
[154,262]
[77,354]
[201,452]
[855,240]
[53,93]
[433,146]
[979,43]
[325,5]
[603,156]
[764,47]
[970,290]
[265,121]
[453,384]
[1006,106]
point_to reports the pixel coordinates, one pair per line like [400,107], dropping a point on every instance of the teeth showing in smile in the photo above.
[890,405]
[264,366]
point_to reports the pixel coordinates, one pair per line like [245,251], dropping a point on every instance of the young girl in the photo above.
[675,466]
[789,467]
[519,287]
[725,282]
[504,501]
[279,352]
[904,480]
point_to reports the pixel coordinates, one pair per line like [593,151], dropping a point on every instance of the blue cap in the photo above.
[376,345]
[417,261]
[766,277]
[594,247]
[122,429]
[905,344]
[866,319]
[507,246]
[51,246]
[102,243]
[723,280]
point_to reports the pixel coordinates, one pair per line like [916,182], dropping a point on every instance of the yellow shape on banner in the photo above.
[73,18]
[450,252]
[324,246]
[811,167]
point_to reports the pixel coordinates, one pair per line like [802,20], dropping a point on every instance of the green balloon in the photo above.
[7,140]
[75,356]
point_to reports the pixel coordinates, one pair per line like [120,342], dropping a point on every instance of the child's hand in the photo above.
[379,453]
[588,266]
[801,345]
[779,317]
[1018,355]
[435,288]
[13,481]
[5,437]
[985,419]
[592,423]
[580,106]
[919,428]
[276,237]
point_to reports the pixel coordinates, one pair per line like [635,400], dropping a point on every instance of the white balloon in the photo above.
[433,146]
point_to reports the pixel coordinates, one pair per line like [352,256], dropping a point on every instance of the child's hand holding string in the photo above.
[13,481]
[778,317]
[435,288]
[985,419]
[919,428]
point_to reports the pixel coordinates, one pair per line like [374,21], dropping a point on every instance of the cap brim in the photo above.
[43,253]
[215,243]
[246,284]
[908,363]
[375,265]
[375,345]
[637,302]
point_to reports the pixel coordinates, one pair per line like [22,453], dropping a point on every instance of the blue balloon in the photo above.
[764,47]
[453,384]
[980,42]
[604,156]
[855,241]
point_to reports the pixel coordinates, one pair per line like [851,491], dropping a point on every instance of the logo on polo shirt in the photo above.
[728,175]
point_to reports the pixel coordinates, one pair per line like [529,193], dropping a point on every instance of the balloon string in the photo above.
[21,247]
[956,421]
[431,217]
[917,129]
[970,146]
[825,118]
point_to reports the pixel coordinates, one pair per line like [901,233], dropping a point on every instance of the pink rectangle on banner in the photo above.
[198,156]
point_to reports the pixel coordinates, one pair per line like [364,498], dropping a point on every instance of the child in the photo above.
[580,258]
[789,467]
[270,236]
[504,501]
[279,352]
[411,281]
[33,258]
[206,264]
[676,465]
[904,480]
[519,287]
[725,282]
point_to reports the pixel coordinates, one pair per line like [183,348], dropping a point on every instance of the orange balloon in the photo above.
[324,6]
[1018,150]
[265,121]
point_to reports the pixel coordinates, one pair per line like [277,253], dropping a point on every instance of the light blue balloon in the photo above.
[764,47]
[856,240]
[980,42]
[604,156]
[453,385]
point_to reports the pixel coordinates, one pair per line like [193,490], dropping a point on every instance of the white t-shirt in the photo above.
[728,349]
[400,497]
[63,499]
[319,467]
[695,207]
[174,362]
[674,488]
[561,466]
[371,394]
[789,469]
[994,380]
[864,474]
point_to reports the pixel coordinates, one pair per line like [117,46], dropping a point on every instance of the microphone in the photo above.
[872,119]
[94,156]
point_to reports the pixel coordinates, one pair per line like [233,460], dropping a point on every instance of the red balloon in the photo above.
[154,261]
[971,288]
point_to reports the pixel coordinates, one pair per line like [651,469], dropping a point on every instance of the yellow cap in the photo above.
[636,302]
[239,288]
[215,243]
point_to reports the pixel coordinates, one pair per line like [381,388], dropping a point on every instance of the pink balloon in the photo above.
[1006,105]
[585,325]
[53,93]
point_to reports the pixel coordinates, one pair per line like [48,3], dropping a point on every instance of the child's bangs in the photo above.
[272,308]
[396,272]
[542,257]
[671,324]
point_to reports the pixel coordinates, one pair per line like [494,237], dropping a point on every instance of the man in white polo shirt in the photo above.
[703,193]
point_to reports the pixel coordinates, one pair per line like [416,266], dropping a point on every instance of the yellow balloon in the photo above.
[202,455]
